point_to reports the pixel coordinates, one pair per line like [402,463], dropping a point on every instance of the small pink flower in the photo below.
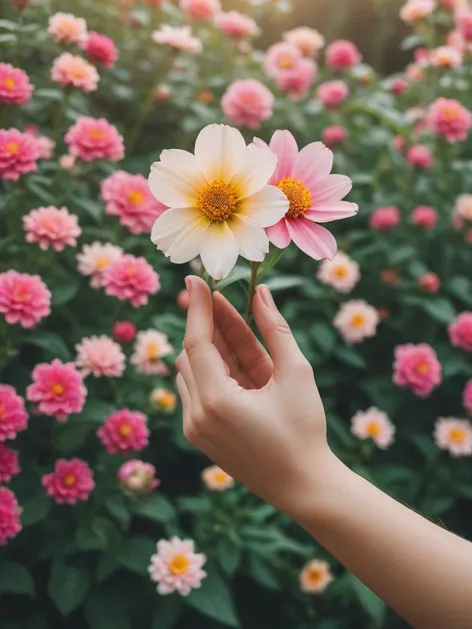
[454,435]
[446,57]
[399,143]
[216,479]
[71,481]
[183,299]
[334,135]
[399,86]
[94,259]
[460,331]
[200,9]
[236,25]
[179,38]
[390,277]
[452,4]
[298,80]
[430,282]
[73,70]
[425,217]
[124,431]
[24,298]
[458,41]
[15,86]
[124,331]
[308,41]
[65,27]
[95,138]
[315,577]
[176,567]
[129,197]
[415,10]
[356,321]
[51,227]
[373,424]
[342,273]
[420,156]
[13,417]
[100,356]
[138,477]
[415,73]
[448,118]
[162,93]
[463,207]
[131,278]
[9,466]
[46,146]
[10,524]
[332,93]
[342,54]
[19,153]
[385,217]
[467,397]
[150,348]
[417,367]
[67,162]
[100,49]
[280,58]
[58,389]
[247,102]
[463,20]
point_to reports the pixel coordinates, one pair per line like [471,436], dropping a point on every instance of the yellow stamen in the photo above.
[125,430]
[373,429]
[286,62]
[314,576]
[9,82]
[97,134]
[152,351]
[70,480]
[340,272]
[57,389]
[358,320]
[13,148]
[451,112]
[135,197]
[179,564]
[102,263]
[422,368]
[217,200]
[220,477]
[457,435]
[299,197]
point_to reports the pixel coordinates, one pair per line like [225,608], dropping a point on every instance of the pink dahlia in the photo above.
[315,577]
[280,58]
[415,10]
[124,331]
[128,197]
[236,25]
[425,217]
[18,154]
[100,49]
[95,138]
[313,193]
[446,57]
[342,273]
[417,367]
[298,80]
[356,321]
[463,20]
[13,417]
[70,482]
[385,217]
[429,282]
[460,331]
[308,41]
[15,86]
[100,356]
[150,348]
[373,424]
[454,435]
[200,9]
[420,156]
[58,389]
[124,431]
[94,259]
[24,298]
[334,135]
[9,466]
[72,70]
[176,567]
[52,227]
[448,118]
[398,86]
[342,55]
[332,93]
[467,397]
[463,207]
[247,102]
[131,278]
[179,38]
[138,476]
[65,27]
[10,524]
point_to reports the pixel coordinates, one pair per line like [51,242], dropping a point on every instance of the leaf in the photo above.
[51,343]
[351,357]
[285,282]
[238,274]
[35,510]
[98,534]
[136,554]
[42,195]
[461,287]
[440,309]
[68,586]
[213,599]
[324,336]
[64,293]
[157,508]
[106,566]
[8,38]
[229,555]
[260,572]
[371,603]
[93,208]
[7,25]
[167,612]
[72,436]
[425,445]
[104,612]
[16,579]
[340,429]
[434,507]
[118,507]
[95,412]
[48,94]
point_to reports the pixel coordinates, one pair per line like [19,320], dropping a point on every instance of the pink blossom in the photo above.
[342,273]
[67,162]
[415,10]
[15,86]
[9,466]
[448,118]
[356,321]
[463,20]
[414,72]
[19,153]
[458,41]
[398,86]
[399,143]
[463,207]
[71,481]
[216,479]
[342,54]
[430,282]
[51,227]
[417,367]
[72,70]
[179,38]
[58,389]
[454,435]
[100,356]
[298,80]
[446,57]
[129,197]
[332,93]
[452,4]
[280,58]
[247,102]
[95,138]
[124,431]
[100,49]
[460,331]
[200,9]
[385,217]
[373,424]
[176,567]
[65,27]
[46,146]
[315,577]
[163,400]
[308,41]
[236,25]
[94,259]
[131,278]
[24,298]
[10,524]
[124,331]
[162,93]
[150,348]
[138,476]
[425,217]
[467,397]
[13,417]
[333,135]
[420,156]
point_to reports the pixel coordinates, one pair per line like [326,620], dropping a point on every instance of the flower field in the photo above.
[108,517]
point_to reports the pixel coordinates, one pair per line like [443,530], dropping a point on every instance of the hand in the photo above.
[257,414]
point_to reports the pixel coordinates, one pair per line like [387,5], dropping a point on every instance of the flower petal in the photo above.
[284,145]
[178,233]
[314,163]
[255,168]
[266,207]
[330,190]
[332,211]
[219,250]
[175,179]
[217,150]
[251,238]
[278,234]
[314,240]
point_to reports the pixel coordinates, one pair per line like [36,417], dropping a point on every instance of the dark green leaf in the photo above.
[35,510]
[434,507]
[157,508]
[440,309]
[118,507]
[106,566]
[213,599]
[351,357]
[64,293]
[51,343]
[374,607]
[284,282]
[238,274]
[229,555]
[68,586]
[261,572]
[98,534]
[136,554]
[105,612]
[167,611]
[95,412]
[16,579]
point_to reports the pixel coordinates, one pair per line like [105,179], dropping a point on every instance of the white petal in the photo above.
[176,179]
[178,233]
[252,240]
[266,207]
[217,150]
[256,167]
[219,251]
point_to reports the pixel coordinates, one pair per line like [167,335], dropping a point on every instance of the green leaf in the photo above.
[51,343]
[213,599]
[95,412]
[98,534]
[68,586]
[461,287]
[425,445]
[194,504]
[64,293]
[40,193]
[167,611]
[118,507]
[157,508]
[351,357]
[285,282]
[434,507]
[136,554]
[35,510]
[324,336]
[340,429]
[238,274]
[440,309]
[72,436]
[105,612]
[106,566]
[260,572]
[374,607]
[16,579]
[229,555]
[7,25]
[48,94]
[93,208]
[8,38]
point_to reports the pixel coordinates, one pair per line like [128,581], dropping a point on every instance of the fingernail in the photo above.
[188,284]
[266,296]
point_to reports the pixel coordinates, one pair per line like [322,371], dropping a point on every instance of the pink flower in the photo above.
[460,331]
[247,102]
[385,217]
[398,86]
[414,72]
[236,25]
[308,41]
[100,356]
[46,146]
[425,217]
[124,431]
[94,259]
[315,577]
[95,138]
[356,321]
[342,273]
[162,93]
[150,348]
[100,49]
[415,10]
[65,27]
[179,38]
[138,476]
[452,4]
[24,298]
[131,278]
[67,162]
[10,524]
[447,117]
[73,70]
[463,207]
[334,135]
[183,299]
[454,435]
[430,282]
[417,367]
[298,80]
[71,481]
[58,388]
[342,55]
[18,154]
[15,87]
[13,417]
[216,479]
[52,227]
[280,58]
[463,20]
[128,197]
[332,93]
[446,57]
[200,9]
[467,397]
[373,424]
[124,331]
[9,465]
[420,156]
[176,567]
[313,193]
[399,143]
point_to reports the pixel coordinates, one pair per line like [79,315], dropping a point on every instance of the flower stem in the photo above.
[56,126]
[251,291]
[136,130]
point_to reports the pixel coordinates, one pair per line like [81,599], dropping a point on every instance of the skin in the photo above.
[258,415]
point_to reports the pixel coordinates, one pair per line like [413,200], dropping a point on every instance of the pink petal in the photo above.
[332,211]
[284,145]
[331,189]
[278,234]
[313,164]
[314,240]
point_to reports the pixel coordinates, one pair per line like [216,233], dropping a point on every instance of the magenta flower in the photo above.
[10,512]
[342,54]
[447,117]
[70,482]
[9,465]
[13,417]
[124,431]
[417,367]
[247,102]
[200,9]
[460,331]
[15,86]
[95,138]
[19,153]
[131,278]
[332,93]
[425,217]
[124,331]
[430,282]
[24,298]
[100,49]
[467,397]
[236,25]
[334,135]
[52,227]
[420,156]
[176,567]
[385,217]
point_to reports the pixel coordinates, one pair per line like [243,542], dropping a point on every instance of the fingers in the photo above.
[234,369]
[183,367]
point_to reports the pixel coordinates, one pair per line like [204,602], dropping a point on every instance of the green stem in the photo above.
[136,130]
[4,114]
[251,291]
[56,126]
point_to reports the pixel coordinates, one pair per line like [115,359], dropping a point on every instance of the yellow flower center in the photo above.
[314,576]
[179,564]
[340,272]
[21,294]
[451,112]
[130,271]
[125,430]
[97,134]
[206,97]
[217,200]
[13,148]
[373,429]
[135,197]
[70,480]
[298,196]
[220,477]
[167,399]
[286,62]
[358,320]
[457,435]
[422,368]
[2,412]
[9,82]
[101,263]
[152,351]
[468,209]
[78,71]
[57,389]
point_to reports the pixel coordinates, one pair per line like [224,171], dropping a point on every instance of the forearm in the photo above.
[419,569]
